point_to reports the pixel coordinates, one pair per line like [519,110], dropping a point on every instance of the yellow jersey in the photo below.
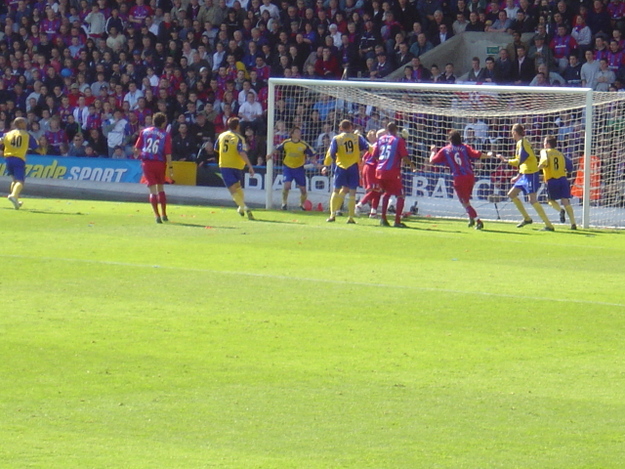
[17,143]
[230,145]
[295,153]
[345,149]
[525,158]
[556,164]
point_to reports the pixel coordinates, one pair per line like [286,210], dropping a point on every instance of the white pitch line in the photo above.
[319,280]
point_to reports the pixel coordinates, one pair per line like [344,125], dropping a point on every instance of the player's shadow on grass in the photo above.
[279,222]
[49,212]
[197,225]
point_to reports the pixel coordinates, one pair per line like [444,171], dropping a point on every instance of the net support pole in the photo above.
[271,99]
[587,159]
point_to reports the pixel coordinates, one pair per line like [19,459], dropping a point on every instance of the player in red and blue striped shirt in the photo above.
[390,152]
[153,148]
[457,157]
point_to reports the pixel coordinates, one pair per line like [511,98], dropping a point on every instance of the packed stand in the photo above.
[89,75]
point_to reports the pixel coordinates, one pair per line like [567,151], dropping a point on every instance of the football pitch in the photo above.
[289,342]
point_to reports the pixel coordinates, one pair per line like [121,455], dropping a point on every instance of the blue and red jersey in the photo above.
[56,138]
[562,46]
[615,60]
[153,144]
[141,12]
[94,121]
[457,158]
[369,157]
[389,152]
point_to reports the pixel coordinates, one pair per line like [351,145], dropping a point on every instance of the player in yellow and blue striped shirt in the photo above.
[528,180]
[345,151]
[16,144]
[553,164]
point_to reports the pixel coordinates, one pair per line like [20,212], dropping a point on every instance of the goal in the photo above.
[589,126]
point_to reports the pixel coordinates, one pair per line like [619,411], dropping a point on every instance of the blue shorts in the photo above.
[528,183]
[16,168]
[294,174]
[232,176]
[558,188]
[349,177]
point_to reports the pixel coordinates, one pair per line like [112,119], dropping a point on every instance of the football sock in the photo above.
[302,199]
[239,198]
[285,196]
[399,209]
[162,198]
[12,186]
[335,202]
[351,206]
[555,205]
[541,213]
[519,206]
[367,199]
[17,189]
[154,203]
[385,199]
[375,200]
[471,211]
[569,212]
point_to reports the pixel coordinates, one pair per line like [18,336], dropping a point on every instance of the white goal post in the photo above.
[589,126]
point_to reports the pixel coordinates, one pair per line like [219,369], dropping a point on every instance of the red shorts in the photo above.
[463,185]
[390,182]
[154,172]
[369,180]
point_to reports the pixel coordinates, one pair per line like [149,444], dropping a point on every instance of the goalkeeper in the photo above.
[295,153]
[527,181]
[553,164]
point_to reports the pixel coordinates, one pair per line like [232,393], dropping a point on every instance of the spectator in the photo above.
[474,24]
[562,45]
[552,78]
[540,53]
[251,114]
[81,112]
[421,46]
[504,72]
[616,57]
[582,34]
[183,146]
[476,74]
[589,71]
[598,19]
[572,73]
[523,68]
[76,147]
[420,74]
[96,140]
[522,23]
[444,34]
[328,65]
[447,76]
[133,95]
[113,129]
[501,24]
[460,25]
[383,66]
[604,77]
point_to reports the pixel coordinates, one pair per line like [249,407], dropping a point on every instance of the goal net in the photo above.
[590,130]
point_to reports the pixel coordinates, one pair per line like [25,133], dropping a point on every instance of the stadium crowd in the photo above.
[89,74]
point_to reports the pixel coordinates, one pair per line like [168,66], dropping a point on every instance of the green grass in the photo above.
[288,342]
